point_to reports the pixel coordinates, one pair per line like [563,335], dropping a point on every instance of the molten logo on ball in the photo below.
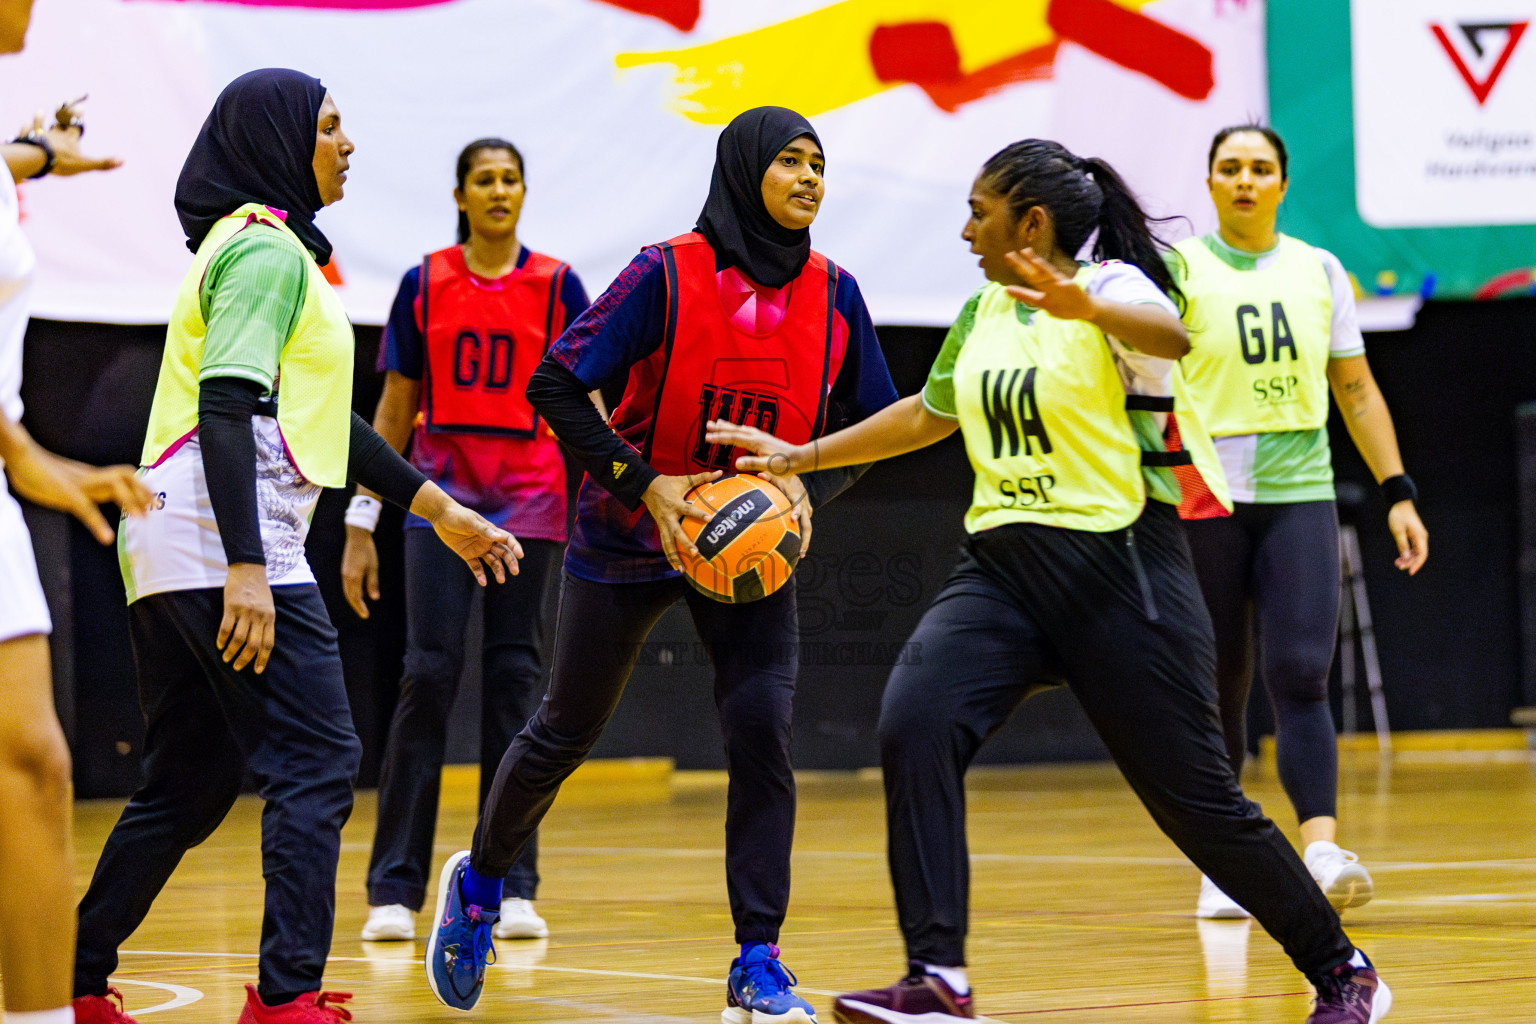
[726,524]
[750,543]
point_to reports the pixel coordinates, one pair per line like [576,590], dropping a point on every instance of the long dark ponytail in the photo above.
[1083,196]
[466,160]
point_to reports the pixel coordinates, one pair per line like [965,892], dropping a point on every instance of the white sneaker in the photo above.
[1217,905]
[392,923]
[1340,874]
[520,921]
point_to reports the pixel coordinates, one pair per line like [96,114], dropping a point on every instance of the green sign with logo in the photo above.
[1411,126]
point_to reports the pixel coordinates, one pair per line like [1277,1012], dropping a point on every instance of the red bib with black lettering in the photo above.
[484,337]
[738,351]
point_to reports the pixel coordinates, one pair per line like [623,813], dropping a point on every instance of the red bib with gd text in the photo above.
[484,338]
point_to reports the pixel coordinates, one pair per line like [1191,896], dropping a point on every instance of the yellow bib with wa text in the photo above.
[1047,425]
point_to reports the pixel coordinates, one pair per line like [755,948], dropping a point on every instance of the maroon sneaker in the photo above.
[1350,995]
[919,996]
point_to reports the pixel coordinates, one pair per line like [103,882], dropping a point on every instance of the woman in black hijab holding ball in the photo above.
[738,319]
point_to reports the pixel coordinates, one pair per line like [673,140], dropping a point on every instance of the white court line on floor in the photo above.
[718,853]
[650,977]
[184,996]
[1511,864]
[181,995]
[1470,897]
[642,975]
[595,1010]
[415,963]
[168,952]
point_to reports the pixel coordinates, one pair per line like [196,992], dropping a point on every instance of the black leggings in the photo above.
[1117,617]
[598,636]
[1279,565]
[438,590]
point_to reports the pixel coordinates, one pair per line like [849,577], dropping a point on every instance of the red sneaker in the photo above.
[309,1008]
[101,1009]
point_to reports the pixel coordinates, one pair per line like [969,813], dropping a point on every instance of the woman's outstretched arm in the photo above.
[901,427]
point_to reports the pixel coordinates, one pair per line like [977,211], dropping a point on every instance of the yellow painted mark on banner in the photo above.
[821,61]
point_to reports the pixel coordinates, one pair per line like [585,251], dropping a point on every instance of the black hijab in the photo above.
[257,146]
[735,222]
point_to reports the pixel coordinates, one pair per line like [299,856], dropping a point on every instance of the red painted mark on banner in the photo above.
[1030,66]
[1482,89]
[919,51]
[680,14]
[1137,42]
[924,53]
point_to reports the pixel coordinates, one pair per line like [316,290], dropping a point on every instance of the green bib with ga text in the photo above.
[1259,339]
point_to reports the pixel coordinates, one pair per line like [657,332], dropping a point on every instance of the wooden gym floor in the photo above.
[1082,911]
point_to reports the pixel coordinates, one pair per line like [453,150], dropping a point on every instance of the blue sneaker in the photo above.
[758,991]
[459,948]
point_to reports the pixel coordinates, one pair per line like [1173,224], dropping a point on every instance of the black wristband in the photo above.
[50,158]
[1399,488]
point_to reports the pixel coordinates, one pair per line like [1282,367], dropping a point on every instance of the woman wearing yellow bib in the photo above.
[1063,379]
[1272,329]
[238,668]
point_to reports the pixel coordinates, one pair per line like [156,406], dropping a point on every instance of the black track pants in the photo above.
[291,727]
[1119,618]
[598,635]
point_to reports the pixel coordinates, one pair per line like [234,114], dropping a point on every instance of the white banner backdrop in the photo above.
[616,105]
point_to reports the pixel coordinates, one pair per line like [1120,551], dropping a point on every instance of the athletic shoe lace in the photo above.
[481,949]
[768,975]
[1337,989]
[118,1012]
[324,999]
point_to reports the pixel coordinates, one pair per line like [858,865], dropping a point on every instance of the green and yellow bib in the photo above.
[314,368]
[1259,338]
[1049,427]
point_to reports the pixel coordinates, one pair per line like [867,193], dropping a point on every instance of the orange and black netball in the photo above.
[749,545]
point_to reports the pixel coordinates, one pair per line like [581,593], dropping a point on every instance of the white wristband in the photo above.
[363,513]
